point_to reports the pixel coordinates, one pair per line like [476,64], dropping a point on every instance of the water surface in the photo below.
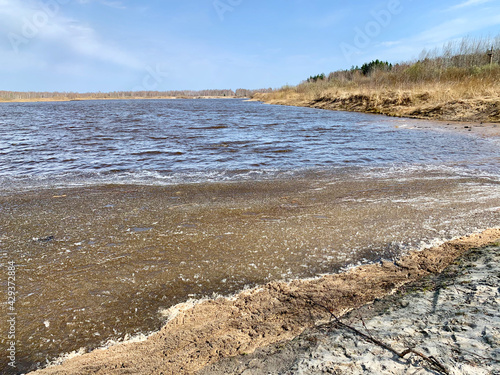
[171,141]
[114,211]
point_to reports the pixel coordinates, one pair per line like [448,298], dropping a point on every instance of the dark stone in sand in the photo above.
[45,239]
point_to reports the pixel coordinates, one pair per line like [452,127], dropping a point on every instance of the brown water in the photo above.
[113,212]
[102,262]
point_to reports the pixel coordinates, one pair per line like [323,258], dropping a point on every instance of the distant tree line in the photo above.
[32,95]
[367,68]
[318,77]
[452,62]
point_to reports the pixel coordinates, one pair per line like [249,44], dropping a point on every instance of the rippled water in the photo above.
[146,204]
[199,140]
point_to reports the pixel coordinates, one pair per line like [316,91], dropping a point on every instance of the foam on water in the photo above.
[172,312]
[13,184]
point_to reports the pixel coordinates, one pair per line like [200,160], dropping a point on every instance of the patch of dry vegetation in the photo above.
[458,82]
[31,96]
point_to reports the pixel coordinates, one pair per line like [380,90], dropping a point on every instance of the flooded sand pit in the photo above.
[120,255]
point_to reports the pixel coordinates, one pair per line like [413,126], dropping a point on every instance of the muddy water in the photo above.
[99,263]
[101,253]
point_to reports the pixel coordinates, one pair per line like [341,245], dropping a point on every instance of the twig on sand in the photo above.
[364,325]
[436,365]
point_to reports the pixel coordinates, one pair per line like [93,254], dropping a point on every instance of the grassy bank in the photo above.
[459,82]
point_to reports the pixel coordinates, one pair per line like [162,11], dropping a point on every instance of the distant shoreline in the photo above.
[43,100]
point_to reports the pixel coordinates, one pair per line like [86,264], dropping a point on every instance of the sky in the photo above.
[131,45]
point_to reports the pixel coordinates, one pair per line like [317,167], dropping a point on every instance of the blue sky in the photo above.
[108,45]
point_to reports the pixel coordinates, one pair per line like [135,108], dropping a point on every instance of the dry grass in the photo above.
[463,87]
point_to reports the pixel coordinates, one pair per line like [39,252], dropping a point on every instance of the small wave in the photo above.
[271,151]
[210,127]
[10,183]
[152,152]
[158,152]
[258,170]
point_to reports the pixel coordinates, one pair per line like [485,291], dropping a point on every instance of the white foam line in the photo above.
[172,312]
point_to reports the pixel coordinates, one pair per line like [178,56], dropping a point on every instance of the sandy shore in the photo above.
[481,129]
[479,122]
[201,334]
[128,252]
[450,320]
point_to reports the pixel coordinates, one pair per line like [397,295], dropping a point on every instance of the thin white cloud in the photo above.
[468,3]
[31,29]
[110,3]
[456,28]
[85,41]
[437,35]
[431,38]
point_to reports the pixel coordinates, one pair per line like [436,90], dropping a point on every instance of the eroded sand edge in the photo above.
[216,329]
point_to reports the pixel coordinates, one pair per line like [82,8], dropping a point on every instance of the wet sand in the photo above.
[209,331]
[481,129]
[105,261]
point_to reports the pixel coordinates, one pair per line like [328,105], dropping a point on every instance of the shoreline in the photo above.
[319,218]
[479,128]
[443,323]
[421,106]
[56,100]
[202,334]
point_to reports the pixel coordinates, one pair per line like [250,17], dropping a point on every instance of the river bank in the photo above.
[197,335]
[128,253]
[450,320]
[422,103]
